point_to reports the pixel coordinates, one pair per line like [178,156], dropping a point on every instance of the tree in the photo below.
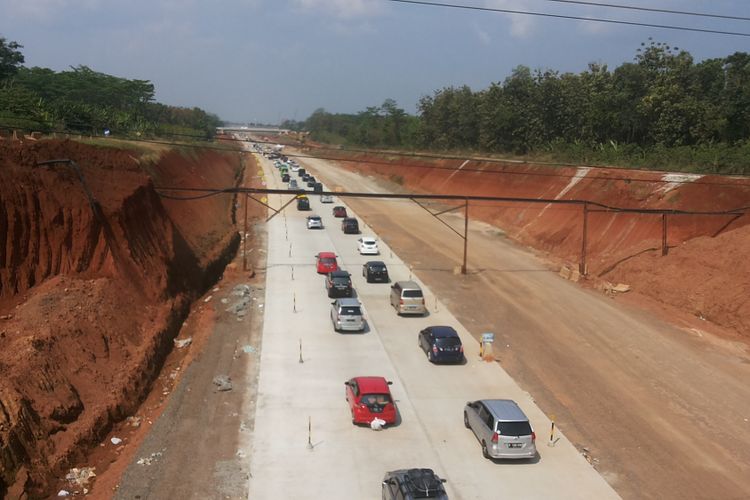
[11,58]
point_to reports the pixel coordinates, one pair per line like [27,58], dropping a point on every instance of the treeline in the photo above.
[663,110]
[85,101]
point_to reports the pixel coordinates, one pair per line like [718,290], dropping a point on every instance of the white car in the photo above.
[326,198]
[368,246]
[314,222]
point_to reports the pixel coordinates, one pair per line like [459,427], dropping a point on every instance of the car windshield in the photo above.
[341,280]
[448,341]
[351,311]
[412,293]
[514,428]
[327,260]
[314,219]
[375,399]
[377,268]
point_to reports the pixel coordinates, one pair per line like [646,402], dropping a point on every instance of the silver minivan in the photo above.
[346,315]
[407,298]
[503,430]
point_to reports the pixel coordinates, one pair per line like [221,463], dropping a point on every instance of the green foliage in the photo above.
[11,58]
[662,110]
[378,126]
[86,101]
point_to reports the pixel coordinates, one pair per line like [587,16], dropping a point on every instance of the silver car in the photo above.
[346,315]
[407,298]
[502,429]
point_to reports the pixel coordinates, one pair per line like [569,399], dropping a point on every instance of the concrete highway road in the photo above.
[339,460]
[661,409]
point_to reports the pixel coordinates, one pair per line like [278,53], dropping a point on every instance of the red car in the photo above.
[339,211]
[325,262]
[370,398]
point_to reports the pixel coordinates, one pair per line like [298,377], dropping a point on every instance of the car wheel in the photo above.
[485,453]
[466,421]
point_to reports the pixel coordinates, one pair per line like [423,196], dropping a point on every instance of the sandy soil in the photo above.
[661,411]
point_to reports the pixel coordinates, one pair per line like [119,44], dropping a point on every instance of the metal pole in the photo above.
[244,238]
[466,233]
[664,247]
[582,264]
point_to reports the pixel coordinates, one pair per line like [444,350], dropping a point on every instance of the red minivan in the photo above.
[370,398]
[325,262]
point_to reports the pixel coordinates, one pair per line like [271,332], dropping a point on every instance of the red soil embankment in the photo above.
[91,297]
[705,273]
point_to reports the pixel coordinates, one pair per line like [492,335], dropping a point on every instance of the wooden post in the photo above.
[582,263]
[664,247]
[244,238]
[466,233]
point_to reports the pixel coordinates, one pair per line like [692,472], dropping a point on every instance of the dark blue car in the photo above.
[441,344]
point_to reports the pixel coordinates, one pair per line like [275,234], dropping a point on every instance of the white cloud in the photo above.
[483,36]
[521,25]
[44,9]
[342,8]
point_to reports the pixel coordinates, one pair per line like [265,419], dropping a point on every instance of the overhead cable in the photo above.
[575,18]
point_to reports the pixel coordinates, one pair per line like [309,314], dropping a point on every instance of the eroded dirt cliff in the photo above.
[91,294]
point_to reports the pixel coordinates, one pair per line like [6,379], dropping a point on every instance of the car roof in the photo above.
[418,481]
[443,331]
[322,255]
[372,384]
[505,410]
[408,284]
[339,274]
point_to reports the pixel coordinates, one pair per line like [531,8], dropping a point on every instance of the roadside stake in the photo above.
[300,352]
[309,433]
[294,304]
[292,273]
[552,432]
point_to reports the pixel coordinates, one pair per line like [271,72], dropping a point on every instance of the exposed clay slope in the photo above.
[699,276]
[91,299]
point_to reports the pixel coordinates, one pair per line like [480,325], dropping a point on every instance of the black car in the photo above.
[409,484]
[339,284]
[303,204]
[301,172]
[441,344]
[375,271]
[318,187]
[285,178]
[310,182]
[350,225]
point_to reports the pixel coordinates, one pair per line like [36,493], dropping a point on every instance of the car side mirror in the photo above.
[390,383]
[333,303]
[346,384]
[443,480]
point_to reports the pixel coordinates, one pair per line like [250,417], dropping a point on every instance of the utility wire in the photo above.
[576,18]
[652,9]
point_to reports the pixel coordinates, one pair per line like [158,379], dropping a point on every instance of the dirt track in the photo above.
[662,411]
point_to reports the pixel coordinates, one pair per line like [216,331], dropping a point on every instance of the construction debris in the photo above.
[223,383]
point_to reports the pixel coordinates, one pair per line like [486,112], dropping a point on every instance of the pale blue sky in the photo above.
[267,60]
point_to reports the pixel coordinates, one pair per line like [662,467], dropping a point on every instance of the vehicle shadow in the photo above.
[515,461]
